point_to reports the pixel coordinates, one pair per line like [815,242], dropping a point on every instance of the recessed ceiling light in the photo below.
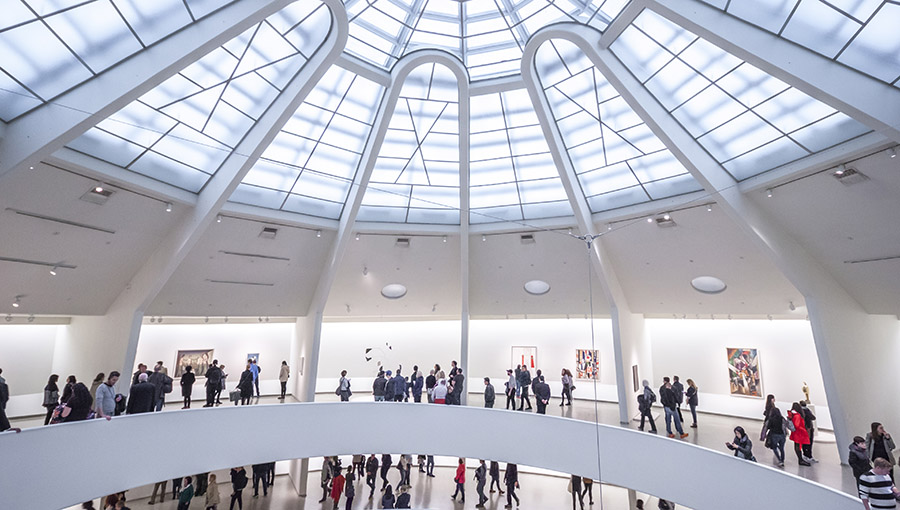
[537,287]
[708,284]
[98,188]
[667,217]
[840,170]
[393,291]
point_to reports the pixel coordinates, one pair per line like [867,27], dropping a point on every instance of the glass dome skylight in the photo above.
[487,35]
[186,125]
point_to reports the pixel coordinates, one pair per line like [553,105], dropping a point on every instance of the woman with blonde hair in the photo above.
[691,395]
[212,493]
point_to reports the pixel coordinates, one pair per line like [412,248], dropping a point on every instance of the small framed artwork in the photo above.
[198,359]
[634,377]
[587,364]
[526,356]
[744,378]
[253,356]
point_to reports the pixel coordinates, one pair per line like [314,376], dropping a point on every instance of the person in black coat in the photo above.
[542,395]
[67,389]
[79,405]
[455,396]
[245,384]
[187,385]
[238,484]
[142,397]
[511,478]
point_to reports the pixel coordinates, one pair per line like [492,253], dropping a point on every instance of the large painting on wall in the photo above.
[199,360]
[743,372]
[587,364]
[526,356]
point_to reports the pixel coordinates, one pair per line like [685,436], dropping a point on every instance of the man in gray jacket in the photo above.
[481,478]
[489,394]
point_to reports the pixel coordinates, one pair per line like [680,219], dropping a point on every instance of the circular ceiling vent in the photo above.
[708,284]
[393,291]
[537,287]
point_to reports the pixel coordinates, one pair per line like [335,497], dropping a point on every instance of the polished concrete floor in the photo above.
[713,432]
[536,492]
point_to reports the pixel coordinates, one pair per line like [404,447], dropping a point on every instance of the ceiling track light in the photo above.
[609,227]
[8,318]
[53,271]
[357,236]
[791,306]
[98,188]
[444,239]
[318,233]
[30,318]
[267,319]
[667,216]
[365,270]
[769,193]
[708,207]
[650,219]
[206,320]
[893,152]
[226,320]
[483,238]
[18,301]
[218,218]
[260,319]
[840,170]
[168,206]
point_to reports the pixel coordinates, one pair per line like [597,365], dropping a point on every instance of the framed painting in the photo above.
[634,378]
[199,360]
[744,377]
[587,364]
[524,356]
[254,356]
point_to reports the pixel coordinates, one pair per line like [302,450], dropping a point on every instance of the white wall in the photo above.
[26,357]
[696,349]
[232,343]
[421,343]
[428,342]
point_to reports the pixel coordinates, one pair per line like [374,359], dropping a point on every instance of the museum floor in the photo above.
[713,432]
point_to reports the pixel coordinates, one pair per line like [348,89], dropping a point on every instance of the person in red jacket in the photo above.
[337,488]
[460,479]
[800,436]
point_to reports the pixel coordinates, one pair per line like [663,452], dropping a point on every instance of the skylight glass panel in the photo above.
[747,120]
[511,169]
[487,35]
[191,122]
[859,33]
[615,156]
[50,46]
[310,165]
[416,174]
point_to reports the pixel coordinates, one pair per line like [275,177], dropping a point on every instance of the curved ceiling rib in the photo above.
[182,130]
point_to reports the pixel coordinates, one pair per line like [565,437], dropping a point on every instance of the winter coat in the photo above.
[460,474]
[397,386]
[743,448]
[691,395]
[417,384]
[337,487]
[403,500]
[378,387]
[888,445]
[187,384]
[667,397]
[799,435]
[238,480]
[212,495]
[245,384]
[141,398]
[489,394]
[284,374]
[859,460]
[678,389]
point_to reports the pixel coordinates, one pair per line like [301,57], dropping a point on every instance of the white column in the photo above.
[630,345]
[837,320]
[870,101]
[98,343]
[42,131]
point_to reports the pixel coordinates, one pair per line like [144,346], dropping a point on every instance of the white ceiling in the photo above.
[500,266]
[429,268]
[838,223]
[105,262]
[656,265]
[290,284]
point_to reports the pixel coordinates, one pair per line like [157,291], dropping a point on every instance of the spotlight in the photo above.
[893,152]
[18,301]
[769,192]
[8,318]
[357,236]
[650,220]
[260,319]
[98,188]
[226,320]
[729,316]
[267,319]
[218,218]
[791,306]
[31,318]
[53,271]
[709,208]
[206,320]
[365,271]
[840,170]
[152,319]
[159,320]
[609,226]
[318,233]
[483,238]
[31,168]
[434,307]
[348,308]
[168,206]
[570,230]
[769,316]
[667,217]
[444,239]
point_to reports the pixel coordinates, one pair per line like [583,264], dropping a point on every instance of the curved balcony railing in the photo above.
[98,457]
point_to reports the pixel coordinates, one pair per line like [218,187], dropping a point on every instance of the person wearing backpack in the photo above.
[645,404]
[213,379]
[187,386]
[774,432]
